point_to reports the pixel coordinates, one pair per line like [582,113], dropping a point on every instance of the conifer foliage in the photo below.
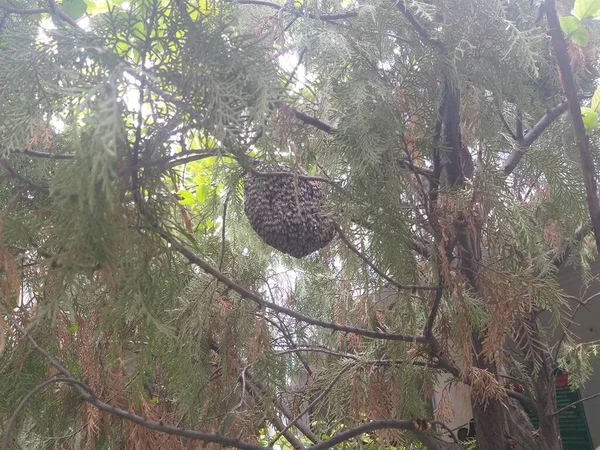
[445,150]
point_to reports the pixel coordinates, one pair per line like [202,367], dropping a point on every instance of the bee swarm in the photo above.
[285,211]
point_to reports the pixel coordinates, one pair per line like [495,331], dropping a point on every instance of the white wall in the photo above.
[586,328]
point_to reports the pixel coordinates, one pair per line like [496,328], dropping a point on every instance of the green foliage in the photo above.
[584,9]
[569,24]
[74,8]
[129,138]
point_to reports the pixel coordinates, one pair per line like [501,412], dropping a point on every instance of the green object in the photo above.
[74,8]
[586,8]
[581,36]
[569,24]
[572,422]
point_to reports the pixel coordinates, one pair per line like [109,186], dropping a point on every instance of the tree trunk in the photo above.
[506,426]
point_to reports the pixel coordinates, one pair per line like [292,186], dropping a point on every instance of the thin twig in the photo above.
[257,386]
[86,394]
[245,293]
[293,74]
[293,174]
[279,7]
[23,12]
[323,393]
[583,303]
[37,154]
[428,330]
[13,420]
[368,362]
[447,428]
[222,258]
[408,164]
[309,120]
[358,253]
[177,159]
[576,403]
[505,123]
[14,174]
[318,350]
[288,337]
[421,31]
[62,15]
[531,186]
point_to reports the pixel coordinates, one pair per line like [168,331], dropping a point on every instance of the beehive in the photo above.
[287,211]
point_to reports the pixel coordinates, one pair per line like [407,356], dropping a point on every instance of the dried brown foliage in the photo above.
[259,345]
[443,411]
[485,387]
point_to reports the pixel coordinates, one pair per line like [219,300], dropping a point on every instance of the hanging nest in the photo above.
[286,211]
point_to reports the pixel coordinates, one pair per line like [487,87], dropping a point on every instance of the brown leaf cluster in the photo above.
[41,136]
[485,386]
[443,411]
[259,345]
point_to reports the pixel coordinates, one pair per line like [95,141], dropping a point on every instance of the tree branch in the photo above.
[410,425]
[576,403]
[62,15]
[245,293]
[13,419]
[285,411]
[322,394]
[323,126]
[357,358]
[292,174]
[428,330]
[358,253]
[519,127]
[583,145]
[85,394]
[278,7]
[309,120]
[179,158]
[408,164]
[47,155]
[14,174]
[505,123]
[23,12]
[545,121]
[421,31]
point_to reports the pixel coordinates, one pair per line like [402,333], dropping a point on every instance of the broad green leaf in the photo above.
[74,8]
[581,36]
[569,24]
[590,121]
[596,100]
[187,198]
[585,110]
[202,192]
[97,6]
[208,7]
[139,30]
[586,8]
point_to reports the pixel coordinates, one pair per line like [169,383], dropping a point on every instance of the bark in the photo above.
[503,425]
[581,139]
